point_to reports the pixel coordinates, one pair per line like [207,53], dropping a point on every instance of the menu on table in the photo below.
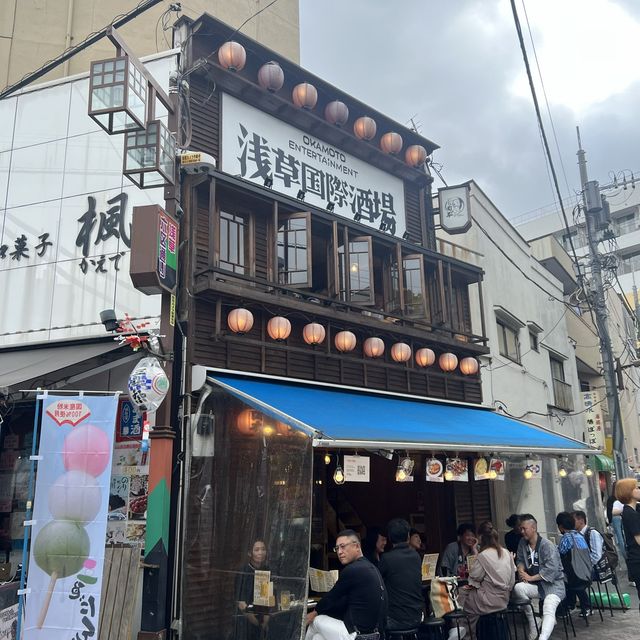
[429,562]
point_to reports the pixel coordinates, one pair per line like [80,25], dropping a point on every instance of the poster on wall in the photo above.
[70,517]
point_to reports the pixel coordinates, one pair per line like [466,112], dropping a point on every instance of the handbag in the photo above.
[444,596]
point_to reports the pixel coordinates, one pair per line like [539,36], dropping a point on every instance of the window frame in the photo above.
[503,349]
[423,287]
[285,217]
[249,244]
[345,292]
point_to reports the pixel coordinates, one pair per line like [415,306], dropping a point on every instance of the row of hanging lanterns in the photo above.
[232,57]
[241,320]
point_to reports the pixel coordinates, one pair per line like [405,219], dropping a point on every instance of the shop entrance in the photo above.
[434,509]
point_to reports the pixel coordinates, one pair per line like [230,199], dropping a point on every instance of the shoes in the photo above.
[533,635]
[586,612]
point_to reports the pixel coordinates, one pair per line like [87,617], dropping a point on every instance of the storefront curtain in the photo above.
[249,482]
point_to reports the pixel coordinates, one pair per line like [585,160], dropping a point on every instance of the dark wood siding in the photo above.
[473,501]
[256,352]
[205,119]
[412,211]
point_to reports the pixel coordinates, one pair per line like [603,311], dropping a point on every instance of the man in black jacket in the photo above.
[358,601]
[402,574]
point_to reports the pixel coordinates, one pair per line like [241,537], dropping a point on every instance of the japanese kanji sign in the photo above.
[257,146]
[594,424]
[70,518]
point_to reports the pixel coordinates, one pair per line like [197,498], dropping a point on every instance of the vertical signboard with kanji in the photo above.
[70,518]
[593,419]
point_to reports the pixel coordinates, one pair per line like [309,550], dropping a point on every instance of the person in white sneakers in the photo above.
[541,576]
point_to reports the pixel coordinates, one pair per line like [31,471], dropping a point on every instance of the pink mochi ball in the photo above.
[87,448]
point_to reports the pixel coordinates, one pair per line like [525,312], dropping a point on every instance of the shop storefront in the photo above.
[289,464]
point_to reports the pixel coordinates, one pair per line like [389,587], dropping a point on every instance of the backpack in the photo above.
[607,564]
[581,566]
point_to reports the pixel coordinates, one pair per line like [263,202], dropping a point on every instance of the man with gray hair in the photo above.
[541,576]
[357,603]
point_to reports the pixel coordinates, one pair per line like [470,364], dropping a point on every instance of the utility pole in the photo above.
[593,212]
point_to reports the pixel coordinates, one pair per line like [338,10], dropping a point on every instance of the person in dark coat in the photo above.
[512,538]
[249,625]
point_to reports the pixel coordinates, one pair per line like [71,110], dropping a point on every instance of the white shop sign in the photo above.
[257,146]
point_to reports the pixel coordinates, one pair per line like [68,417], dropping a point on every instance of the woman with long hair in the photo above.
[491,577]
[628,493]
[250,625]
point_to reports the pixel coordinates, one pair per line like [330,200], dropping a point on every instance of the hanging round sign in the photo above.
[148,384]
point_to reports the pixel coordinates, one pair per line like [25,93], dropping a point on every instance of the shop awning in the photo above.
[604,463]
[361,419]
[25,364]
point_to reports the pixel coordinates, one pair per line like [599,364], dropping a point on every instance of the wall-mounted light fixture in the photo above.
[313,333]
[425,357]
[279,328]
[240,321]
[150,156]
[268,182]
[391,142]
[364,128]
[232,56]
[469,366]
[305,95]
[345,341]
[271,76]
[373,347]
[301,194]
[401,352]
[336,112]
[448,361]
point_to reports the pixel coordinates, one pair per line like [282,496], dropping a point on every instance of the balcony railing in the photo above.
[563,397]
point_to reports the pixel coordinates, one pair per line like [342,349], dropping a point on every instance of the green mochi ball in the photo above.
[61,546]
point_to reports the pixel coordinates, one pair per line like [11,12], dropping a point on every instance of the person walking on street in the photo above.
[628,493]
[540,571]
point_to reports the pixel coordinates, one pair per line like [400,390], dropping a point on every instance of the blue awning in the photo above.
[358,418]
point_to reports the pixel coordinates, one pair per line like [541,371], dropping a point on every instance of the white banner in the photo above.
[257,146]
[70,517]
[594,423]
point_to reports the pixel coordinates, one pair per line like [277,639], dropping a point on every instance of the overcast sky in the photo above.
[456,67]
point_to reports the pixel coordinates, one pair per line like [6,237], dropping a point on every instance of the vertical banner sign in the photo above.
[167,251]
[593,419]
[70,517]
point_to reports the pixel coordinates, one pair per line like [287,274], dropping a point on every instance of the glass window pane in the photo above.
[292,251]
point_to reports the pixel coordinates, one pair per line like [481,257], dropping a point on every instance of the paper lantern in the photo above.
[337,113]
[248,422]
[345,341]
[305,95]
[415,155]
[391,142]
[232,56]
[425,357]
[279,328]
[373,347]
[148,384]
[469,366]
[271,76]
[448,361]
[240,321]
[365,128]
[313,333]
[401,352]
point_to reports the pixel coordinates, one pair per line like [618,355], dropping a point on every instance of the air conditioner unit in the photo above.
[194,162]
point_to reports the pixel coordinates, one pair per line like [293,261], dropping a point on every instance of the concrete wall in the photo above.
[35,31]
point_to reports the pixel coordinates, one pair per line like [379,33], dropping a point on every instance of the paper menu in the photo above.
[429,562]
[322,581]
[263,589]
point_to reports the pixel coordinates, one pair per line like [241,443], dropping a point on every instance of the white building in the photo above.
[532,371]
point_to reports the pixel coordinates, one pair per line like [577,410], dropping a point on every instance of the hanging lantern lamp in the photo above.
[240,321]
[469,366]
[401,352]
[425,357]
[313,333]
[364,128]
[337,113]
[305,95]
[415,155]
[271,76]
[448,361]
[279,328]
[232,56]
[345,341]
[373,347]
[391,142]
[148,384]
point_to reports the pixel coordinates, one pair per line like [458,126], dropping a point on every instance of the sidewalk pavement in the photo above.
[625,625]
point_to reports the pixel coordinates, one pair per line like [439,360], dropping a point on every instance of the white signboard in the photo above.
[455,215]
[356,468]
[594,424]
[70,517]
[259,147]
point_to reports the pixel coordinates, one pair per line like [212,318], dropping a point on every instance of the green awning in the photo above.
[603,463]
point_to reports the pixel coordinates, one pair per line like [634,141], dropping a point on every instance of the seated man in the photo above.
[540,570]
[578,576]
[601,569]
[401,571]
[453,560]
[358,601]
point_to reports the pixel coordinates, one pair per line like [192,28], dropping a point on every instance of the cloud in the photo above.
[454,67]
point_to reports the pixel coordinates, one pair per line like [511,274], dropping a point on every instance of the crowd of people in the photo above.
[381,586]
